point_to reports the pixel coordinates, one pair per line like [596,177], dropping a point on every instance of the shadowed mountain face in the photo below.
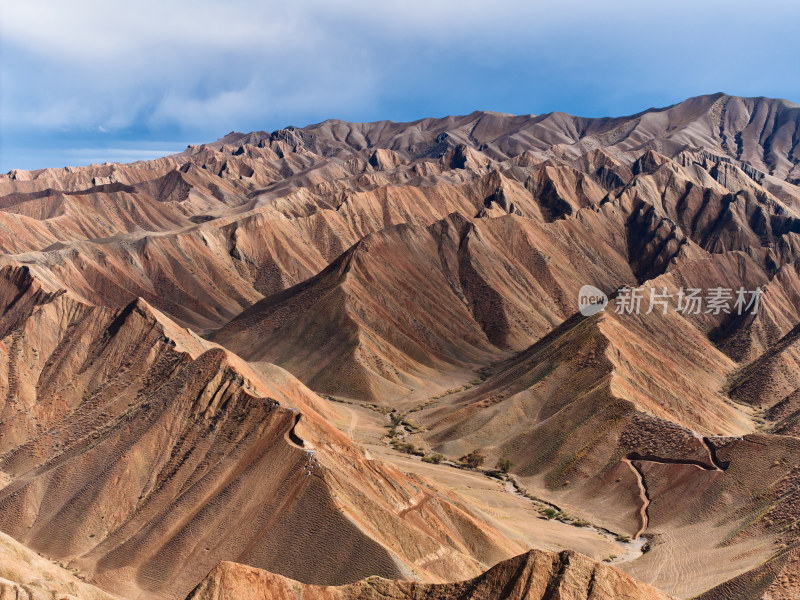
[166,328]
[407,303]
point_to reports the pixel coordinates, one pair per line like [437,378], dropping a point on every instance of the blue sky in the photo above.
[93,81]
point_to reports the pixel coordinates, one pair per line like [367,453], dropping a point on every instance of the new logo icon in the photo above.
[591,300]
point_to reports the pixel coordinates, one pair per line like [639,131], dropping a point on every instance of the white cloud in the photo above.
[202,66]
[87,156]
[114,65]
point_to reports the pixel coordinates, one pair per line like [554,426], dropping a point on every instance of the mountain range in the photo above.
[348,361]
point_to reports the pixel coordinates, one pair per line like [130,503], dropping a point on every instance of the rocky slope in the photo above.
[143,455]
[535,575]
[407,303]
[24,574]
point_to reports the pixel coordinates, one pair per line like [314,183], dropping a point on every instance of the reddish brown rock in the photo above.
[531,576]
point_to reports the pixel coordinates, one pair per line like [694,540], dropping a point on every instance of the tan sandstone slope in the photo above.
[143,455]
[535,575]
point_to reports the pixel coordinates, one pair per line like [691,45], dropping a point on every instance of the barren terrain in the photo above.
[348,360]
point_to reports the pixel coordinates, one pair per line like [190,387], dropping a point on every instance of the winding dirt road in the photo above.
[643,492]
[644,497]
